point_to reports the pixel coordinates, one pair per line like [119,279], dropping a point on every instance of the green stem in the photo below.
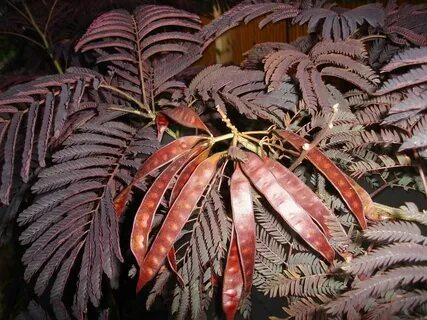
[44,40]
[149,114]
[24,37]
[222,138]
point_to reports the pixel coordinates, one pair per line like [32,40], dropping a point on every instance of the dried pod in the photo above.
[232,287]
[163,156]
[328,168]
[186,173]
[303,195]
[186,117]
[144,216]
[173,266]
[176,218]
[244,224]
[281,201]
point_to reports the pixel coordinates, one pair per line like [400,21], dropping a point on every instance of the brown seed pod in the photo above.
[163,156]
[176,218]
[303,195]
[173,266]
[328,168]
[143,220]
[244,224]
[233,280]
[281,201]
[186,173]
[186,117]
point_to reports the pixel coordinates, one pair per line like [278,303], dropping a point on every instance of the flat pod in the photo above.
[281,201]
[173,266]
[144,216]
[244,224]
[176,218]
[163,156]
[186,174]
[186,117]
[328,168]
[303,195]
[233,280]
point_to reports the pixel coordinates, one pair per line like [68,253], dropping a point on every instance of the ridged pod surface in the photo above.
[281,201]
[232,286]
[143,220]
[244,224]
[176,218]
[186,117]
[163,156]
[328,168]
[302,194]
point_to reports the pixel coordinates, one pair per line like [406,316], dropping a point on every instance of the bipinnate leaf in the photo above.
[244,225]
[303,195]
[378,285]
[163,156]
[187,117]
[386,256]
[328,168]
[232,287]
[281,201]
[176,218]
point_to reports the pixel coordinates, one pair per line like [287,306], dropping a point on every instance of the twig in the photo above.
[44,39]
[383,187]
[129,97]
[421,171]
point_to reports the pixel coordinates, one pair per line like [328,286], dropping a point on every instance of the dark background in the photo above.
[21,60]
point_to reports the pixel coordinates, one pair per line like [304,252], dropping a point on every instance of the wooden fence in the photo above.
[231,46]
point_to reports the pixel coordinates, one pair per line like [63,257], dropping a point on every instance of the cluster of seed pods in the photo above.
[305,197]
[157,160]
[296,203]
[291,211]
[176,218]
[142,223]
[354,196]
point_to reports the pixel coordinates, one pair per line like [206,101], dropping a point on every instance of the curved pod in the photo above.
[176,218]
[293,214]
[328,168]
[158,159]
[233,281]
[303,195]
[244,225]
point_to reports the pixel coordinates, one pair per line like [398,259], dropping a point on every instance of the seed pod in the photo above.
[176,218]
[163,156]
[244,224]
[303,195]
[281,201]
[328,168]
[186,173]
[186,117]
[144,216]
[233,280]
[173,266]
[368,205]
